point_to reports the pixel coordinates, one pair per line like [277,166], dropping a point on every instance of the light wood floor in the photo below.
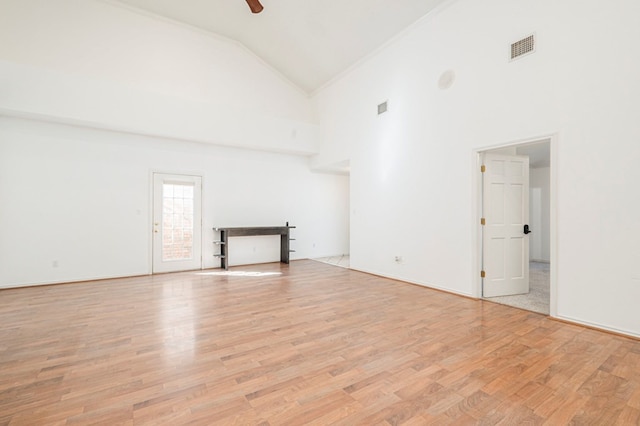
[302,344]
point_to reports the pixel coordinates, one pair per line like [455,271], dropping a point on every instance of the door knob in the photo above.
[526,230]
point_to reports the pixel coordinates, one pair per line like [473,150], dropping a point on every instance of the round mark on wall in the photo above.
[446,79]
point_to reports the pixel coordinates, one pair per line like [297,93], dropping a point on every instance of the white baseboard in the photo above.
[598,326]
[422,284]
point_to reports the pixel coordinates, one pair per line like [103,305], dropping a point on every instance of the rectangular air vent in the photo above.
[382,108]
[523,47]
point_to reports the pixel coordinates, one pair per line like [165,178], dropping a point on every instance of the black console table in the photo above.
[225,233]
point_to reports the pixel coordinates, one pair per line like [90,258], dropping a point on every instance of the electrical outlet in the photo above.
[54,264]
[398,259]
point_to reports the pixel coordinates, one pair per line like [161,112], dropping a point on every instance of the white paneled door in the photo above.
[505,206]
[177,227]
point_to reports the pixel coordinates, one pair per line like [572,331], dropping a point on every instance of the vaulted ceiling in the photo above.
[310,42]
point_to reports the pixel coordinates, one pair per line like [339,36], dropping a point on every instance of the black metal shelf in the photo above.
[226,233]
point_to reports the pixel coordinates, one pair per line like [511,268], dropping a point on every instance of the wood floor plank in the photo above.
[305,343]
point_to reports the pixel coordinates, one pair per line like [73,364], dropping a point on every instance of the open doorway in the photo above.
[535,257]
[340,256]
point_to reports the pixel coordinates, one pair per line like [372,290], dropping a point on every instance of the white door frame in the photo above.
[553,139]
[153,172]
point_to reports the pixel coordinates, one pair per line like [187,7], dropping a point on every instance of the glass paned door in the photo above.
[177,232]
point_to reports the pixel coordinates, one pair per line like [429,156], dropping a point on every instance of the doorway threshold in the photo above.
[341,260]
[537,300]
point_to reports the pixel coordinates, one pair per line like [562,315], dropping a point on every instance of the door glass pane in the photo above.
[177,221]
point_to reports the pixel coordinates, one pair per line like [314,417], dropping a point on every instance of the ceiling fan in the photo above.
[255,6]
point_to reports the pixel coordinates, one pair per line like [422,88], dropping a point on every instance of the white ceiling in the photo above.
[309,41]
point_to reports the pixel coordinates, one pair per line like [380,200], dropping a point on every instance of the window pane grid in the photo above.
[177,221]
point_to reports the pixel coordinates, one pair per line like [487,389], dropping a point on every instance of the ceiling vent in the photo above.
[523,47]
[382,108]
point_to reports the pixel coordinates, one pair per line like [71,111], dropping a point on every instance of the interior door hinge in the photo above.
[482,274]
[482,221]
[483,168]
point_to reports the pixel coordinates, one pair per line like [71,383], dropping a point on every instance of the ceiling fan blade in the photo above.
[255,6]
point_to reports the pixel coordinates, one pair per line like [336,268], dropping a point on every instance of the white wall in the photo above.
[540,216]
[93,63]
[94,97]
[81,197]
[413,169]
